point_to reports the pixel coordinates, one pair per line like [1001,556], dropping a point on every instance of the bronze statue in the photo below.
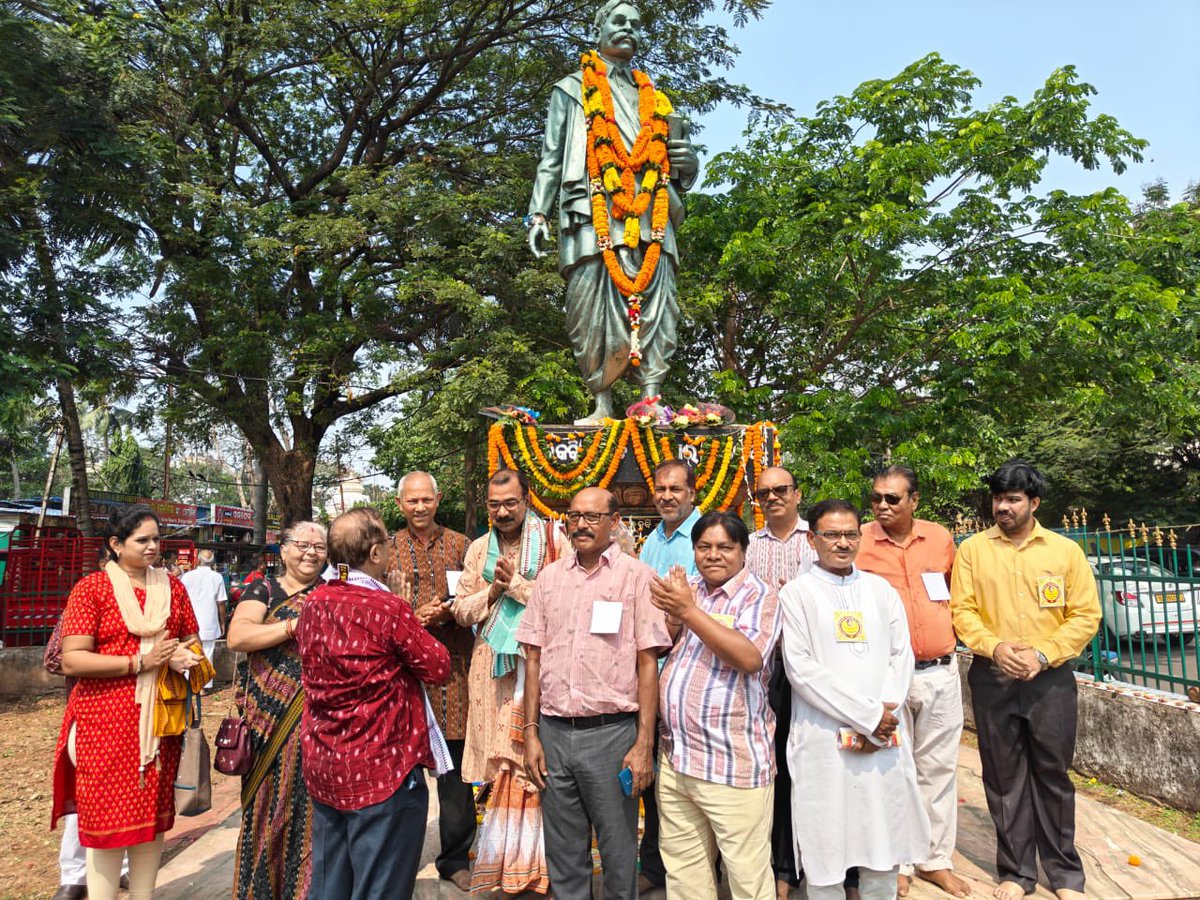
[613,329]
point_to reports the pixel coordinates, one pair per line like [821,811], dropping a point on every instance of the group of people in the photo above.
[786,703]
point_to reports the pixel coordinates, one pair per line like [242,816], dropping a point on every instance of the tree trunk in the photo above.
[77,456]
[65,389]
[16,474]
[291,475]
[261,498]
[470,495]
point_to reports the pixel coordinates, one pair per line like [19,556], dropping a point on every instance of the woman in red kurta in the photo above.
[108,764]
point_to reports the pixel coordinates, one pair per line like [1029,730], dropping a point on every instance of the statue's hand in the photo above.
[539,236]
[684,162]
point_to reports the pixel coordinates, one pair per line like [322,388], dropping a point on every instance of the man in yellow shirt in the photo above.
[1023,599]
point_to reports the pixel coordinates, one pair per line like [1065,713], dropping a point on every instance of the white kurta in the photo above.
[848,808]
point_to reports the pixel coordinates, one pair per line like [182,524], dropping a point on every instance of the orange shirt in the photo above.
[930,548]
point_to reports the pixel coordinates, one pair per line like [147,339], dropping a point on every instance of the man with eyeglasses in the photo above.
[592,639]
[496,584]
[846,647]
[432,556]
[1024,601]
[778,552]
[667,546]
[916,557]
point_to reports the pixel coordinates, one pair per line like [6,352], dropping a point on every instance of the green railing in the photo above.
[1149,585]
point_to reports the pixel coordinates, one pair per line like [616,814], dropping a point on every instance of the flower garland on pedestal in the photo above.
[613,175]
[719,474]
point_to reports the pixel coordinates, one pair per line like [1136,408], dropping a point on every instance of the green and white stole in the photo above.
[500,630]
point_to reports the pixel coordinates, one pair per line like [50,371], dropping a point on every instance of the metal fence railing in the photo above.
[1148,579]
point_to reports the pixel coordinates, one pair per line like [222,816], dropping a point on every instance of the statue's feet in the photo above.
[603,410]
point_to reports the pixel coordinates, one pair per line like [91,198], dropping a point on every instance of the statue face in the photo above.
[619,33]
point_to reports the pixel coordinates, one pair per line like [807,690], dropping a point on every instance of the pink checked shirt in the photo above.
[777,562]
[585,674]
[716,723]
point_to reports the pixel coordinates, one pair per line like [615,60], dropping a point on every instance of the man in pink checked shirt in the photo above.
[592,641]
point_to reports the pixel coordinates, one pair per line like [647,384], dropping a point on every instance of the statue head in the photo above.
[618,27]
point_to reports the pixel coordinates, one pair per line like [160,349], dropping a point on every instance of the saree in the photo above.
[511,853]
[274,852]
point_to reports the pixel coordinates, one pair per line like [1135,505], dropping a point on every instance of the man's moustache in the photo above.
[583,534]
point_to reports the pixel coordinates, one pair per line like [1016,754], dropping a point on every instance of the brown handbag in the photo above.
[234,755]
[193,780]
[52,658]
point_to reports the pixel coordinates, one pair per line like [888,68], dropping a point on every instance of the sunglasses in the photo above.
[781,491]
[890,499]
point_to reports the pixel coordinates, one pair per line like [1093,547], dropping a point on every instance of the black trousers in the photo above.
[1026,743]
[370,853]
[456,816]
[783,850]
[649,858]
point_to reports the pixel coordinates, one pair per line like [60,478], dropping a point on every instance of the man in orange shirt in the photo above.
[916,557]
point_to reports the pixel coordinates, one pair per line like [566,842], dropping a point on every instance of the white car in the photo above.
[1142,599]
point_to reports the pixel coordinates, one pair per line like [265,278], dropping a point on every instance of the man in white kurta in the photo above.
[849,660]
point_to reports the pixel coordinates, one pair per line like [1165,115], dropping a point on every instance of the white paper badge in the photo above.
[452,582]
[935,586]
[606,617]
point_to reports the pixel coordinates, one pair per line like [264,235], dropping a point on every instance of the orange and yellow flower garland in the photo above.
[717,484]
[613,174]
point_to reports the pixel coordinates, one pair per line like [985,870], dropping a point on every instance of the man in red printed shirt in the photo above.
[366,731]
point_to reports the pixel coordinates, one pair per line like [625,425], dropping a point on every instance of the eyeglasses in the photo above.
[591,518]
[892,499]
[780,490]
[511,504]
[835,536]
[305,546]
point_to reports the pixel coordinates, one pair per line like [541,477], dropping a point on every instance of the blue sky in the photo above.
[1140,55]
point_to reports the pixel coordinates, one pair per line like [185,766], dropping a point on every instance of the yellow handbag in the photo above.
[172,712]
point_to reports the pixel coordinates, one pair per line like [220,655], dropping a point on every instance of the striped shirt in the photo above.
[716,723]
[777,562]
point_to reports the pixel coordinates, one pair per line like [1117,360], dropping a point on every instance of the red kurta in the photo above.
[115,809]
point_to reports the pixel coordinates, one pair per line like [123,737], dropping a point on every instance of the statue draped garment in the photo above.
[597,318]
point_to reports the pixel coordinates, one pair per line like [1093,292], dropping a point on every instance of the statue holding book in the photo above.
[615,160]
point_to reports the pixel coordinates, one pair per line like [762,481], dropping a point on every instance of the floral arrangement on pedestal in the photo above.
[561,464]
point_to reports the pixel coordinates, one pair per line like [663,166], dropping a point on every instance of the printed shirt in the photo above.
[660,552]
[715,722]
[426,564]
[586,674]
[778,561]
[363,657]
[930,548]
[1042,594]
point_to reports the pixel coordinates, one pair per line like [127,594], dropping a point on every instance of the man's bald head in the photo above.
[776,495]
[353,535]
[591,521]
[590,497]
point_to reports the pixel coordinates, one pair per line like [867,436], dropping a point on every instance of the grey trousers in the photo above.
[582,793]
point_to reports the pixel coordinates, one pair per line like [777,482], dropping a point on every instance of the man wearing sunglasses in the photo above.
[592,637]
[779,552]
[849,660]
[916,557]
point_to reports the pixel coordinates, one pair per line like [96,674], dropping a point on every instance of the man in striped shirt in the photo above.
[778,553]
[717,766]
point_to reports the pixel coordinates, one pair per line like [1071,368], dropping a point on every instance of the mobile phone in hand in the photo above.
[625,776]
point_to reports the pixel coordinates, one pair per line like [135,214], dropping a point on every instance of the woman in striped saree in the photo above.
[274,853]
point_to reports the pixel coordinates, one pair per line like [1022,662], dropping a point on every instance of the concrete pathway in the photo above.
[203,864]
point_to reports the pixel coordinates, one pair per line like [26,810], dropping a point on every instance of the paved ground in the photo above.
[202,867]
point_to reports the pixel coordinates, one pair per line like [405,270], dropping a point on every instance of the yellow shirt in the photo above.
[1041,594]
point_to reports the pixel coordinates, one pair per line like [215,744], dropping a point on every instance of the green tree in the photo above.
[337,193]
[884,279]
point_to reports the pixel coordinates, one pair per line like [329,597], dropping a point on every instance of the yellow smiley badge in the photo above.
[849,626]
[1051,593]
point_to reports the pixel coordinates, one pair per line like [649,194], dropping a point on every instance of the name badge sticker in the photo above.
[1052,593]
[606,617]
[935,586]
[849,627]
[724,619]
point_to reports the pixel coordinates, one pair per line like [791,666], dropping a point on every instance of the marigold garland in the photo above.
[613,175]
[718,480]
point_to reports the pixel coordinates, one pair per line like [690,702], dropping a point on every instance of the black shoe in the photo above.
[70,892]
[124,883]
